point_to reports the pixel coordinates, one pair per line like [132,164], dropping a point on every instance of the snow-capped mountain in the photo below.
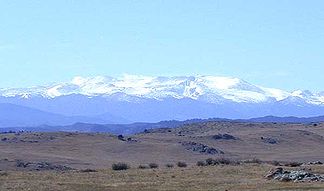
[133,98]
[211,89]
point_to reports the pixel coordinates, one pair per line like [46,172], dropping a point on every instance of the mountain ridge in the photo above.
[211,89]
[21,116]
[138,127]
[152,99]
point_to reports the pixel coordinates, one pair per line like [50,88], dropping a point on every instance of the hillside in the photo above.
[82,161]
[20,116]
[266,141]
[133,128]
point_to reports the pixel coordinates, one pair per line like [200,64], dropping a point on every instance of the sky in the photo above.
[273,43]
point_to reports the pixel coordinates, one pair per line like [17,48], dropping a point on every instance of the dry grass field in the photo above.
[242,177]
[54,161]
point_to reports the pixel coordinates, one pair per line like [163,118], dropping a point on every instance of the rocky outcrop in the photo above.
[201,148]
[294,176]
[41,166]
[315,163]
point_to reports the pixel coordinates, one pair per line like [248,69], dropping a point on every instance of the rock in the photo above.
[315,163]
[41,166]
[49,166]
[269,140]
[201,148]
[22,164]
[273,173]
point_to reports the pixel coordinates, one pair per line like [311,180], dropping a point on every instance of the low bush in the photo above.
[143,166]
[210,161]
[4,174]
[121,137]
[182,164]
[224,161]
[201,163]
[274,163]
[293,164]
[218,161]
[153,165]
[120,166]
[253,161]
[88,170]
[169,165]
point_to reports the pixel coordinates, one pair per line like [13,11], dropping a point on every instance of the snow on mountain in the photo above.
[309,97]
[211,89]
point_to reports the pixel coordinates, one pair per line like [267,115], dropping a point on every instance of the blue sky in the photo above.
[275,43]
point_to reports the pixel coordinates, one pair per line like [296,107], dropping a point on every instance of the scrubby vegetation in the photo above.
[153,165]
[217,161]
[210,161]
[88,170]
[201,163]
[293,164]
[121,137]
[120,166]
[274,163]
[169,165]
[142,166]
[253,161]
[181,164]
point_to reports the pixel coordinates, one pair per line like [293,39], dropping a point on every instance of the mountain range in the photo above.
[139,127]
[131,98]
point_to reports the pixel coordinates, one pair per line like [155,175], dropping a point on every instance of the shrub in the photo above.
[224,137]
[120,166]
[210,161]
[181,164]
[293,164]
[3,174]
[169,165]
[88,170]
[201,163]
[143,166]
[274,163]
[225,161]
[254,160]
[121,137]
[153,165]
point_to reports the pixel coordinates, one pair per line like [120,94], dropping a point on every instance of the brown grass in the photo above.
[241,177]
[296,142]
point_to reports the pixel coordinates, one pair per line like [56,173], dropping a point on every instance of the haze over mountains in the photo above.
[150,99]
